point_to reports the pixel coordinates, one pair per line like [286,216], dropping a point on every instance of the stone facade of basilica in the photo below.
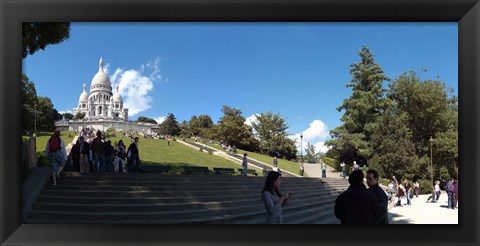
[103,109]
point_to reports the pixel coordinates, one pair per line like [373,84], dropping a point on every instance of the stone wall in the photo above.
[103,125]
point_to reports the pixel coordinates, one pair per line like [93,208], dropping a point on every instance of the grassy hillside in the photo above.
[290,166]
[157,152]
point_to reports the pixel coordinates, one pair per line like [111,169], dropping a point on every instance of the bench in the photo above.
[157,168]
[249,171]
[221,170]
[195,169]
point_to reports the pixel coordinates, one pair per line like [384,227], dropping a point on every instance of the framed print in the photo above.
[227,14]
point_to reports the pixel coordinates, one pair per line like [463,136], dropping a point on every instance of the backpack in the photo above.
[54,144]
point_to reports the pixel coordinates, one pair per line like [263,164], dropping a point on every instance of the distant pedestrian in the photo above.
[84,150]
[416,188]
[134,162]
[324,169]
[56,154]
[120,156]
[357,205]
[435,193]
[245,164]
[98,149]
[355,166]
[449,189]
[408,190]
[273,199]
[344,171]
[109,155]
[455,194]
[275,161]
[372,181]
[302,169]
[76,156]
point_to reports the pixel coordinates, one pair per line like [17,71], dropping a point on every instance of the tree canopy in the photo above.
[38,35]
[389,128]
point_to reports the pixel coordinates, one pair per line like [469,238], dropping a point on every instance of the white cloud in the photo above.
[160,119]
[135,86]
[317,132]
[65,111]
[106,68]
[321,148]
[250,119]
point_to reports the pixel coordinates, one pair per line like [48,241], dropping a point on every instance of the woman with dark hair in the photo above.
[273,199]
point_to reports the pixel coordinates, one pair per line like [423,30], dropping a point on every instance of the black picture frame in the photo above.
[13,13]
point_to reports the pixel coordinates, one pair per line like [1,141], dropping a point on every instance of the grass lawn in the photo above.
[157,152]
[290,166]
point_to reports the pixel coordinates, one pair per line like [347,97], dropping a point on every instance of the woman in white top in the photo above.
[273,199]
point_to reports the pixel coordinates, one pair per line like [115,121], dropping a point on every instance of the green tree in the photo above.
[47,114]
[170,126]
[194,126]
[394,152]
[310,155]
[38,35]
[184,129]
[146,120]
[29,102]
[430,110]
[205,121]
[232,129]
[271,131]
[79,116]
[367,102]
[68,116]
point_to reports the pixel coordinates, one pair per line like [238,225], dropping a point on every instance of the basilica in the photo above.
[103,109]
[101,103]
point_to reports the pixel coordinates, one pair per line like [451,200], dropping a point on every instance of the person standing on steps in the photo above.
[324,169]
[56,153]
[357,205]
[302,169]
[245,164]
[344,172]
[84,150]
[273,199]
[372,182]
[134,157]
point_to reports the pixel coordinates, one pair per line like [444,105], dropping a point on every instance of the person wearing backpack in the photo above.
[56,154]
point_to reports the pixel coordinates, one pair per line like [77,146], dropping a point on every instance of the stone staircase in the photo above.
[112,198]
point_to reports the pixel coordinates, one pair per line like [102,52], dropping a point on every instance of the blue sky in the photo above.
[296,69]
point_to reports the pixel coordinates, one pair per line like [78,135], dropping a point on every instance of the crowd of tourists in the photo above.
[93,152]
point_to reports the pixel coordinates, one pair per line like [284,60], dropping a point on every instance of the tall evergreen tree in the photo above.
[367,102]
[170,126]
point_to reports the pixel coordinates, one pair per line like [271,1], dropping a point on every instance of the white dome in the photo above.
[100,78]
[117,97]
[84,95]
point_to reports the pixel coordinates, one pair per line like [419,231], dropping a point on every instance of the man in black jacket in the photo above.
[133,156]
[357,205]
[372,182]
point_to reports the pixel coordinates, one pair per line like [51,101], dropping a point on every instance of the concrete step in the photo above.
[198,215]
[155,200]
[194,194]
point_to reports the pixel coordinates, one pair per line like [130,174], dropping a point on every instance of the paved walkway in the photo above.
[424,213]
[315,171]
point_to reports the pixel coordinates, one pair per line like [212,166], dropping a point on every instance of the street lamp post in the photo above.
[301,147]
[35,120]
[431,158]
